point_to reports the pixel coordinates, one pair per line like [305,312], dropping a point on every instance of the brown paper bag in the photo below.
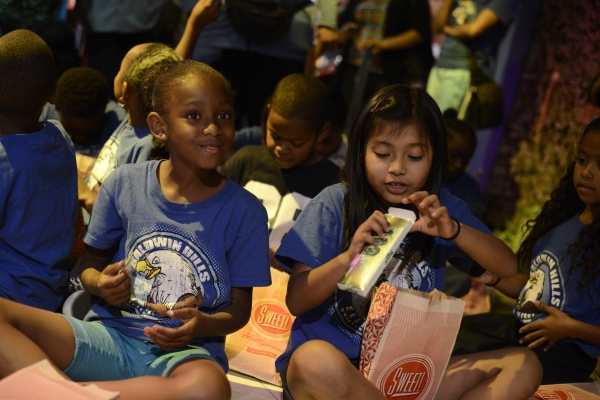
[253,349]
[407,341]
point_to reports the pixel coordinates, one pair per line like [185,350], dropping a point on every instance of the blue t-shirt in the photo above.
[38,210]
[318,236]
[549,282]
[127,145]
[466,188]
[179,255]
[454,53]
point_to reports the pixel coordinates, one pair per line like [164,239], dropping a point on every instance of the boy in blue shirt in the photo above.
[38,184]
[287,171]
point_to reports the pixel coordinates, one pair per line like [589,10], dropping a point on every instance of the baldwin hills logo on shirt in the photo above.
[271,318]
[409,377]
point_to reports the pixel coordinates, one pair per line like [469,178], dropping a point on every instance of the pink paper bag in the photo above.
[407,341]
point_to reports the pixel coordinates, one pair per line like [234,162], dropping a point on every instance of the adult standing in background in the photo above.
[255,67]
[472,27]
[115,26]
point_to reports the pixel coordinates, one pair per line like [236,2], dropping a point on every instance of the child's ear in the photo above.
[125,93]
[53,95]
[324,132]
[157,126]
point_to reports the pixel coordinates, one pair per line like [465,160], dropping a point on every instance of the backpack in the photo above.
[261,20]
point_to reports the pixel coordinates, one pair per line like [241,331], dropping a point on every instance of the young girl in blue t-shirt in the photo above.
[195,244]
[557,313]
[396,157]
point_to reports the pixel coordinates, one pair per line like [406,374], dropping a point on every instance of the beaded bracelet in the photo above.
[457,230]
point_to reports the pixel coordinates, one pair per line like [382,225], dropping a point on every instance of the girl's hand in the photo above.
[113,285]
[348,30]
[551,329]
[375,225]
[205,12]
[486,278]
[176,338]
[434,218]
[372,44]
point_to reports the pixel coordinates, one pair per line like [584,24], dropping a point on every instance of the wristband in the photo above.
[495,283]
[457,230]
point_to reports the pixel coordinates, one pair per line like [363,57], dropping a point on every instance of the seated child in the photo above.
[286,172]
[558,308]
[396,157]
[131,141]
[195,244]
[85,111]
[38,189]
[462,143]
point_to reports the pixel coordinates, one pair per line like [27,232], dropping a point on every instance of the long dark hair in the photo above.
[399,107]
[563,204]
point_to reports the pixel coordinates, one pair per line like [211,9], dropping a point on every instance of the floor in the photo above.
[245,387]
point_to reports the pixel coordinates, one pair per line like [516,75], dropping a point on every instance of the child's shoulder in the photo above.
[254,153]
[240,195]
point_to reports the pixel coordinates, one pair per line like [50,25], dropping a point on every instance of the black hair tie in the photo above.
[457,230]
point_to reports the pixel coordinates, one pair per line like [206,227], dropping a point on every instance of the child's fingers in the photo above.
[113,269]
[537,343]
[184,314]
[549,345]
[415,198]
[436,297]
[429,204]
[161,337]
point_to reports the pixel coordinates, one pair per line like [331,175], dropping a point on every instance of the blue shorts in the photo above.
[103,353]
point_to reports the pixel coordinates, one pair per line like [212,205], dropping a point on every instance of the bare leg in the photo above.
[513,373]
[318,370]
[195,379]
[30,335]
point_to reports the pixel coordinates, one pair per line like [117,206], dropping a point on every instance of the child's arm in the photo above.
[103,279]
[509,286]
[308,287]
[203,13]
[555,327]
[484,21]
[87,197]
[404,40]
[486,250]
[196,323]
[441,18]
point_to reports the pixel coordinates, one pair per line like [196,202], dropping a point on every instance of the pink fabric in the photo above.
[41,381]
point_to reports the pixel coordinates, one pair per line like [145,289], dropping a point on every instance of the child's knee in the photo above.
[527,364]
[200,379]
[317,360]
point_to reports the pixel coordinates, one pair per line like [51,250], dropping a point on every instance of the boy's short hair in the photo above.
[82,92]
[302,97]
[153,54]
[27,74]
